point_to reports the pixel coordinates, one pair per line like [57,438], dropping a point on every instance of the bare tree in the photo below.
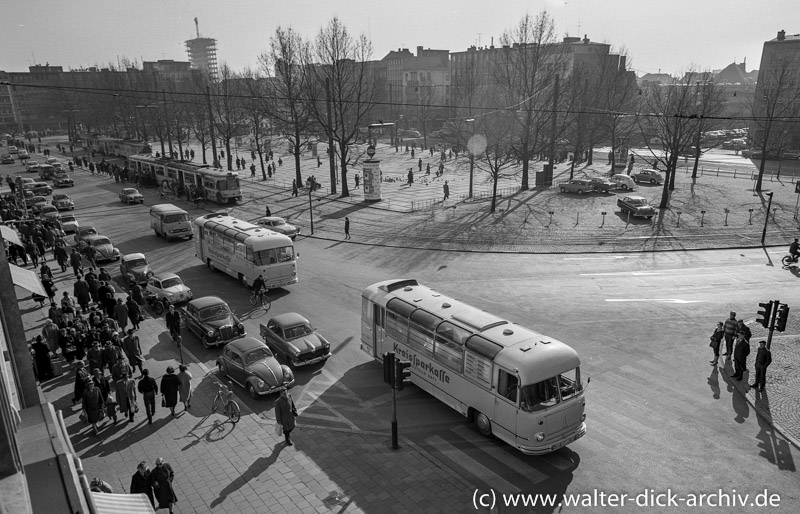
[493,143]
[286,89]
[227,108]
[775,107]
[255,109]
[198,114]
[338,69]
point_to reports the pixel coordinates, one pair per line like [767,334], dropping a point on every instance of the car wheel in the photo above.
[653,181]
[624,187]
[205,342]
[580,191]
[210,265]
[483,424]
[158,308]
[252,391]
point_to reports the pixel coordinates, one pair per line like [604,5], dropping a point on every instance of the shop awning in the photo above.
[26,279]
[106,503]
[10,235]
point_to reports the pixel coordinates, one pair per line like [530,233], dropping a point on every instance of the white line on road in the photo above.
[471,465]
[603,258]
[664,300]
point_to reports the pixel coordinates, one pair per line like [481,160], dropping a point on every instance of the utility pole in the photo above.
[211,127]
[331,154]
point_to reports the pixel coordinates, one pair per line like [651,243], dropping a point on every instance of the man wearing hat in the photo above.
[763,360]
[149,388]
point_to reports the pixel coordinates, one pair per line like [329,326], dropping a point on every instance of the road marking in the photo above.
[514,463]
[478,470]
[338,416]
[664,300]
[605,258]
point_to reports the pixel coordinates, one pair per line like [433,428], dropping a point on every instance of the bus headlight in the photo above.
[540,437]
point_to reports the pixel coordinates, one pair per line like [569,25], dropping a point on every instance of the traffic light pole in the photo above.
[774,314]
[395,446]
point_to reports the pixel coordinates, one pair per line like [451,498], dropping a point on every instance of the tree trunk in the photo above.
[298,174]
[495,177]
[228,155]
[345,189]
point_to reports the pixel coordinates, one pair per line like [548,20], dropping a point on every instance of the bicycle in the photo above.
[224,400]
[260,297]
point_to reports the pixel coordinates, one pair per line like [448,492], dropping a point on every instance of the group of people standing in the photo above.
[156,484]
[737,345]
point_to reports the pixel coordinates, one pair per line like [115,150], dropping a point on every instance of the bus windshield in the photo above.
[273,256]
[551,391]
[175,218]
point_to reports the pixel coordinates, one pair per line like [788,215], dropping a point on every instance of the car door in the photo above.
[504,422]
[276,344]
[192,321]
[236,367]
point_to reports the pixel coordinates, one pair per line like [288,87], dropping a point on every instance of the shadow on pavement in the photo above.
[774,448]
[259,466]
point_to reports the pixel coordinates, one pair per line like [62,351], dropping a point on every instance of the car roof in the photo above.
[289,319]
[130,190]
[270,218]
[650,170]
[165,276]
[207,301]
[246,344]
[92,237]
[131,256]
[635,197]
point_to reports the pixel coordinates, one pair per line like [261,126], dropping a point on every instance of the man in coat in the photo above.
[285,412]
[763,360]
[740,353]
[94,284]
[149,389]
[95,356]
[730,326]
[173,319]
[134,312]
[133,350]
[121,314]
[125,388]
[161,478]
[82,292]
[50,334]
[76,262]
[141,483]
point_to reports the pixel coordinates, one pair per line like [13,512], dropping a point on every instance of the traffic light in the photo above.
[783,315]
[402,374]
[388,368]
[765,314]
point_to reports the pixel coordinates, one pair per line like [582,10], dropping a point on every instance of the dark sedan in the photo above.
[212,321]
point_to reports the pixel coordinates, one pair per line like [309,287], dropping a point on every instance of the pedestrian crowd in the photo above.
[736,336]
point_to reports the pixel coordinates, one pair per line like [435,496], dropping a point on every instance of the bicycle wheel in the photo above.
[234,413]
[216,403]
[253,298]
[786,261]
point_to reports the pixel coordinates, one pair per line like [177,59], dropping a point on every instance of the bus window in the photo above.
[570,383]
[285,254]
[240,250]
[420,330]
[540,396]
[264,257]
[507,385]
[449,346]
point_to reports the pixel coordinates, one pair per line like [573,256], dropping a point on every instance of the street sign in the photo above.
[371,151]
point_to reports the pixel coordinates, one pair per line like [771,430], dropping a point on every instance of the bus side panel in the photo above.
[199,241]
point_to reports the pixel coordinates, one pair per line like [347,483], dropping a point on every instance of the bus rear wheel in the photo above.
[483,423]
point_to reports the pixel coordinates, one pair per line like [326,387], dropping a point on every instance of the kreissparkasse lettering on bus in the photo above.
[422,366]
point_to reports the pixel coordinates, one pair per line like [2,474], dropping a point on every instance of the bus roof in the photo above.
[252,235]
[185,166]
[166,207]
[532,355]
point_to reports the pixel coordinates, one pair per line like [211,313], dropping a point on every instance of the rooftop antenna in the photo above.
[197,27]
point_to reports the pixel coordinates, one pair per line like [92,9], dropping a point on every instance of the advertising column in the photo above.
[371,171]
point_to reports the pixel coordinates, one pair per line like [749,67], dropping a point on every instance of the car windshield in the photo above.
[259,354]
[637,201]
[171,282]
[136,263]
[60,197]
[219,311]
[129,191]
[551,391]
[67,218]
[100,241]
[298,331]
[88,231]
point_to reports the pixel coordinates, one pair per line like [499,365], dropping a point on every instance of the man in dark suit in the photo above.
[763,360]
[173,319]
[740,353]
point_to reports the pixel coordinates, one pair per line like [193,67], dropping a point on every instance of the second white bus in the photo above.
[244,250]
[516,384]
[215,184]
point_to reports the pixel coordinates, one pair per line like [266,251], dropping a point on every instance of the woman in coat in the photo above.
[93,404]
[41,356]
[185,386]
[285,412]
[121,314]
[126,396]
[141,482]
[137,294]
[81,376]
[161,477]
[169,389]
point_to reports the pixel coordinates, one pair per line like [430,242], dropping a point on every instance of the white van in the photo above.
[170,222]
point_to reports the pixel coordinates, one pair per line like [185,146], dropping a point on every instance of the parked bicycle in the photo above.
[225,402]
[260,298]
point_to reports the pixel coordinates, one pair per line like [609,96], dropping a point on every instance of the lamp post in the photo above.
[471,122]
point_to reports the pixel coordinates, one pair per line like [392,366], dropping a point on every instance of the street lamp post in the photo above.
[471,122]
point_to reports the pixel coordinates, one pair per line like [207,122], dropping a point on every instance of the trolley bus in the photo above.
[215,184]
[244,250]
[114,147]
[516,384]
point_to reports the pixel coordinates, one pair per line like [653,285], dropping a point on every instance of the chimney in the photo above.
[419,50]
[781,35]
[622,59]
[585,39]
[492,45]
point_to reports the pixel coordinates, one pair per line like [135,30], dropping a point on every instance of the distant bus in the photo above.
[213,183]
[113,146]
[521,386]
[244,250]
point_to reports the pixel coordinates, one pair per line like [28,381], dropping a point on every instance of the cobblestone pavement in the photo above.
[246,468]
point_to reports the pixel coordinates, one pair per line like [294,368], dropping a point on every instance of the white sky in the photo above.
[666,35]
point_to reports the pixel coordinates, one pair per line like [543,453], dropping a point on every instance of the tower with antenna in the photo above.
[202,53]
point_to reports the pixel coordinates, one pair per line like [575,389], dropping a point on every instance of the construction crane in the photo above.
[197,27]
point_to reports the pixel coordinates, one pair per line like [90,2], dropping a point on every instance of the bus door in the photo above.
[379,330]
[504,422]
[200,244]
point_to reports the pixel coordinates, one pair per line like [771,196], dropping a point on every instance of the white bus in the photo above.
[216,184]
[169,221]
[244,250]
[516,384]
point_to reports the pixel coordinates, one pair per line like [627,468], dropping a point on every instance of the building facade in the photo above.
[776,104]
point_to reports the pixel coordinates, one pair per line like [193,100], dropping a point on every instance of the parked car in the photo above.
[23,155]
[41,188]
[622,181]
[212,321]
[648,175]
[169,288]
[59,166]
[7,159]
[638,206]
[62,202]
[31,166]
[794,155]
[104,250]
[49,212]
[251,364]
[130,195]
[135,269]
[601,184]
[279,225]
[51,161]
[81,236]
[576,185]
[63,180]
[292,337]
[35,203]
[69,223]
[13,150]
[46,172]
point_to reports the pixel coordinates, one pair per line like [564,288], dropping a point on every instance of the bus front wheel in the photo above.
[483,423]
